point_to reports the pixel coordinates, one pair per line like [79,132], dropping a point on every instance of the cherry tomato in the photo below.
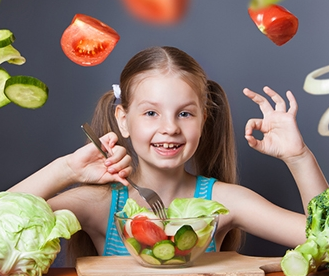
[157,11]
[276,22]
[147,232]
[87,41]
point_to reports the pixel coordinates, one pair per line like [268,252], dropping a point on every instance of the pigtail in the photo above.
[104,121]
[217,139]
[218,142]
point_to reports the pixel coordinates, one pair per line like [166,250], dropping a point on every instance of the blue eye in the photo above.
[150,113]
[184,114]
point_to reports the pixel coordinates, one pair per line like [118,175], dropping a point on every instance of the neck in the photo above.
[169,184]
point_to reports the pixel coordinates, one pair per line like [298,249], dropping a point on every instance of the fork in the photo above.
[150,196]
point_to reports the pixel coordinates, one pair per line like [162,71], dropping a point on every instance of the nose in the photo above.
[169,126]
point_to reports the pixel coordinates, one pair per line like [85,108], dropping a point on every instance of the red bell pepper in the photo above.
[276,22]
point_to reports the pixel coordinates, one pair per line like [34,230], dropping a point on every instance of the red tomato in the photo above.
[147,232]
[276,22]
[87,41]
[182,252]
[157,11]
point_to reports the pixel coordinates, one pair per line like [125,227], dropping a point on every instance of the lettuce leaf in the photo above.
[30,233]
[194,207]
[132,208]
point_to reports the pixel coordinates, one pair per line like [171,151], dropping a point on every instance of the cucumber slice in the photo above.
[133,246]
[27,92]
[6,38]
[175,260]
[3,77]
[185,238]
[164,250]
[148,256]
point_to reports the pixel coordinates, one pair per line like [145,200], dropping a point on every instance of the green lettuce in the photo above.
[194,207]
[11,55]
[132,208]
[30,233]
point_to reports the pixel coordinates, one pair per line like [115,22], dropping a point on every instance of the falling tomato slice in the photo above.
[276,22]
[88,41]
[157,11]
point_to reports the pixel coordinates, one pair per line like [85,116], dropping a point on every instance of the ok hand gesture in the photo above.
[281,136]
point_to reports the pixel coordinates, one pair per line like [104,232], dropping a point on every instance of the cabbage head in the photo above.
[30,233]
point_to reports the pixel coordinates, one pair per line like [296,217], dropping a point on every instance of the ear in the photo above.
[121,116]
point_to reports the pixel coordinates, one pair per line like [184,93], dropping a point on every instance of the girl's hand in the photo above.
[89,165]
[281,136]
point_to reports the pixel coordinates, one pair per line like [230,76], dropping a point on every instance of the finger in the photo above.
[252,141]
[292,103]
[118,178]
[280,104]
[263,103]
[253,124]
[124,163]
[109,140]
[118,153]
[125,173]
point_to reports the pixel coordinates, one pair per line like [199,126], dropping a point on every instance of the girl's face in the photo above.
[164,120]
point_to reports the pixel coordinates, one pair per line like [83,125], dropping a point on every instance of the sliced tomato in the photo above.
[147,232]
[157,11]
[88,41]
[182,252]
[276,22]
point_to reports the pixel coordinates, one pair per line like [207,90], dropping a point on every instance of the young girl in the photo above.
[177,127]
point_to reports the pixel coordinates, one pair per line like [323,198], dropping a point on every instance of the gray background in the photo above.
[218,33]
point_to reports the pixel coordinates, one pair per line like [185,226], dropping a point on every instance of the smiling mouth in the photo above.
[167,146]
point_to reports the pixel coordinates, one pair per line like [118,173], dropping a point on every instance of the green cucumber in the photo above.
[164,250]
[3,77]
[133,246]
[6,38]
[175,260]
[148,256]
[27,92]
[185,238]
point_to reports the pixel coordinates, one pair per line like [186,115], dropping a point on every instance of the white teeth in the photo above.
[165,145]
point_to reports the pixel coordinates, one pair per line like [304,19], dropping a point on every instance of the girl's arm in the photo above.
[86,165]
[282,139]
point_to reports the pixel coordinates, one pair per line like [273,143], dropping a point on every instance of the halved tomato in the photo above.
[157,11]
[147,232]
[88,41]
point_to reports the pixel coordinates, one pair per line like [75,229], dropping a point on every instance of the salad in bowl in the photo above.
[174,242]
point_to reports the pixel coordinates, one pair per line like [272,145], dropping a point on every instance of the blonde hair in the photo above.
[217,139]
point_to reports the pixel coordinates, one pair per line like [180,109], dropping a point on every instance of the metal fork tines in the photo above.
[152,198]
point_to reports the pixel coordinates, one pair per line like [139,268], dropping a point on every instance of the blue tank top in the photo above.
[113,242]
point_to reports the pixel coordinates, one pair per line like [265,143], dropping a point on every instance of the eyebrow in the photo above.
[189,103]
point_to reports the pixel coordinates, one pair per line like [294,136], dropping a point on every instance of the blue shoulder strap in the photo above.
[203,189]
[113,243]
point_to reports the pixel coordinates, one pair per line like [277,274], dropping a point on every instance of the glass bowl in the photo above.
[170,243]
